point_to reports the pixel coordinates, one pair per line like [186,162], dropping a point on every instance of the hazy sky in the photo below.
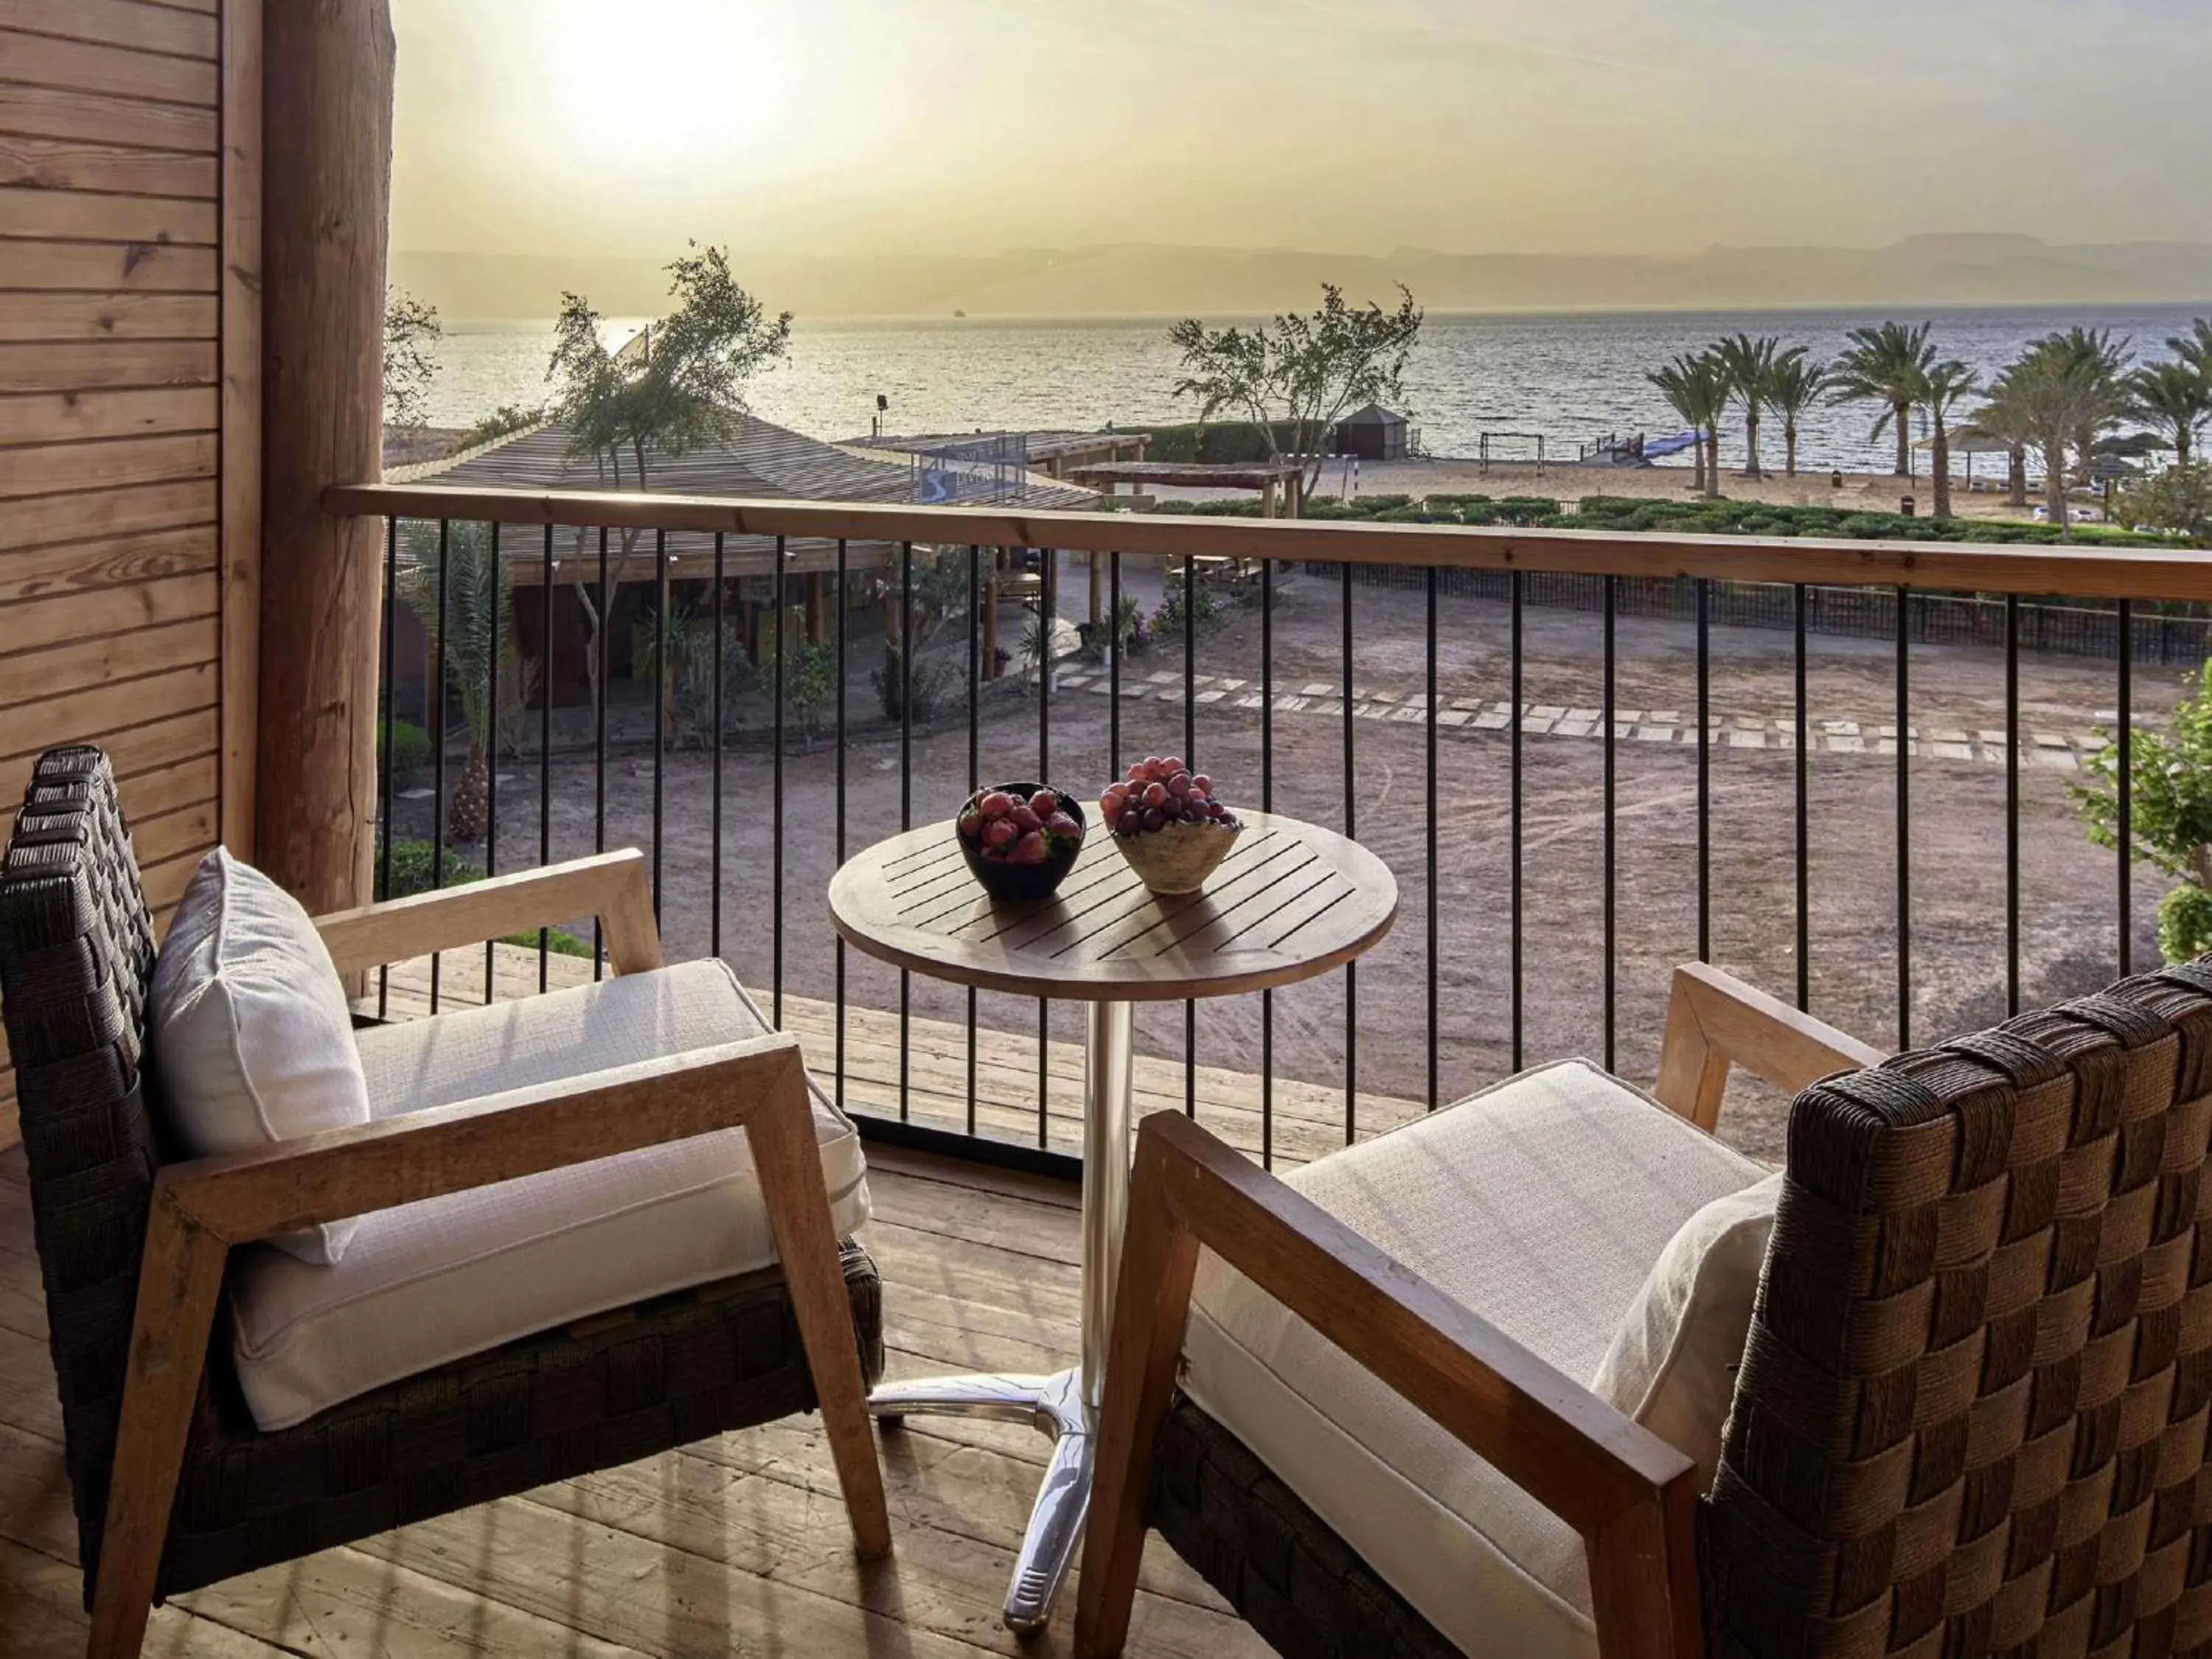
[844,126]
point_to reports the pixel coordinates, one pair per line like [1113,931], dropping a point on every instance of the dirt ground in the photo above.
[2069,936]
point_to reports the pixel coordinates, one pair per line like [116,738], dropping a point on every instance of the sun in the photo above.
[672,86]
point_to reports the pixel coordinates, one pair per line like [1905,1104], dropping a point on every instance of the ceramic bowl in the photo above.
[1025,883]
[1177,858]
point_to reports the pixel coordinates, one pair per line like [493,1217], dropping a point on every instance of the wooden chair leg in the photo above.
[1693,1074]
[178,1285]
[1151,1303]
[789,1164]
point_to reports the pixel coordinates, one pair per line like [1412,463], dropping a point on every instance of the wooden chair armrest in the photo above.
[1628,1493]
[611,886]
[203,1207]
[239,1197]
[1715,1019]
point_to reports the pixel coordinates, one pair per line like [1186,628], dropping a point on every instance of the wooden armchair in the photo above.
[1970,1416]
[174,1484]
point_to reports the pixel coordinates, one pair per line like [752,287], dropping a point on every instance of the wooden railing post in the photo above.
[326,211]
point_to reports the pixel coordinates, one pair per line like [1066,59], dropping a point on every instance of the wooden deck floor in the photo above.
[734,1546]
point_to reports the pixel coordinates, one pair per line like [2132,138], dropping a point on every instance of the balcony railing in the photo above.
[1556,847]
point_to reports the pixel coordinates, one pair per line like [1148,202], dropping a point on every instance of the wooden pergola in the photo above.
[1280,484]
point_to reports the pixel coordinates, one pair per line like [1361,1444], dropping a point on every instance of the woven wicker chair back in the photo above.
[1971,1415]
[76,948]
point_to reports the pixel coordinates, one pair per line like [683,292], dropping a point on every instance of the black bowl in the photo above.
[1025,883]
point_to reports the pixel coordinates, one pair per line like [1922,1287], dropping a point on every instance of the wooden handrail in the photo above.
[2072,570]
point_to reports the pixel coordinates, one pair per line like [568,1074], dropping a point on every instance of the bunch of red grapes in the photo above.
[1160,790]
[1011,829]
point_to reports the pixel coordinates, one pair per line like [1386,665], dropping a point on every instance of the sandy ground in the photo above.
[1862,491]
[2070,932]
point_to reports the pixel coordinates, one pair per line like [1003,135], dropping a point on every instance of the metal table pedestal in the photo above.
[1064,1405]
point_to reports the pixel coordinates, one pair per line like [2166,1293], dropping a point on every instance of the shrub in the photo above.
[925,690]
[507,418]
[410,752]
[412,864]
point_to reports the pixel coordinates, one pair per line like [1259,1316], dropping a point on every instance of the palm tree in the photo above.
[2176,399]
[2064,395]
[2195,348]
[2007,417]
[1698,391]
[476,598]
[1886,365]
[1749,365]
[1942,389]
[1799,382]
[2099,363]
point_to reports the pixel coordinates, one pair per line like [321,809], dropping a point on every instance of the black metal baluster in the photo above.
[2012,803]
[839,946]
[1351,832]
[974,758]
[491,750]
[545,742]
[1903,819]
[599,751]
[776,811]
[714,785]
[1705,770]
[2126,856]
[1190,760]
[1612,832]
[384,783]
[1804,859]
[906,804]
[1429,732]
[1514,736]
[438,742]
[1267,805]
[1048,608]
[664,628]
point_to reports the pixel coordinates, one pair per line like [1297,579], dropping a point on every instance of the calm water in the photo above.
[1571,379]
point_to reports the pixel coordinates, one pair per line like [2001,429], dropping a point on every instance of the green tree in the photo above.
[2176,400]
[2194,349]
[1886,365]
[2176,499]
[411,333]
[2064,390]
[1298,376]
[2007,417]
[1697,390]
[1798,383]
[470,612]
[2170,816]
[1942,389]
[676,386]
[1748,365]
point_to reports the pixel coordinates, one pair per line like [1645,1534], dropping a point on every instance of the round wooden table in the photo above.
[1292,900]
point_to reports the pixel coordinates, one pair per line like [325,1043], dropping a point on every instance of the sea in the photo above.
[1476,383]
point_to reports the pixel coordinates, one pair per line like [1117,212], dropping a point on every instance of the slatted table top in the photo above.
[1291,901]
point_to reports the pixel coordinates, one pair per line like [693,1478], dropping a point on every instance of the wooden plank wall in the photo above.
[130,178]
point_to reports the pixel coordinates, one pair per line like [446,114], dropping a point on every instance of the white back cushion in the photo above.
[1672,1361]
[250,1027]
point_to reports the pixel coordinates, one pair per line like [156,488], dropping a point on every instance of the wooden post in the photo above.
[327,188]
[1098,563]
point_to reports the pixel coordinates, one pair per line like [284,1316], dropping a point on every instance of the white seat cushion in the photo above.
[1540,1203]
[428,1283]
[250,1027]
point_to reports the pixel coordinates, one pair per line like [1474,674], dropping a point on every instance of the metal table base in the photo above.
[1064,1405]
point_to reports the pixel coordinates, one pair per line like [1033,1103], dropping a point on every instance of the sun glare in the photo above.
[671,85]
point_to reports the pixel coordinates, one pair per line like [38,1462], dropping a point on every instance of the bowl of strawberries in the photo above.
[1020,838]
[1168,823]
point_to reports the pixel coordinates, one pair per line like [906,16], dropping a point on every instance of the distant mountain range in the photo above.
[1143,279]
